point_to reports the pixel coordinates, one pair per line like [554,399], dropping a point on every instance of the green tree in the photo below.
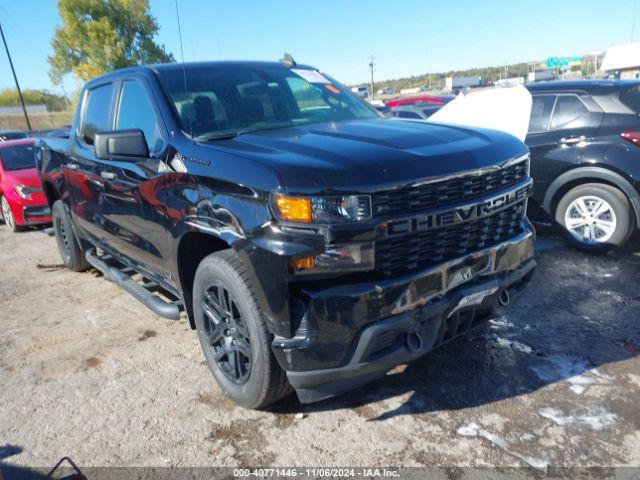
[97,36]
[55,103]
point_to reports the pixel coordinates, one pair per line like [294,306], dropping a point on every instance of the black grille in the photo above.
[449,191]
[419,250]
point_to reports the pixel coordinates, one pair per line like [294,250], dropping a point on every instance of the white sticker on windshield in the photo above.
[311,76]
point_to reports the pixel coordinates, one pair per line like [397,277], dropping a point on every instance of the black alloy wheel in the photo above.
[227,333]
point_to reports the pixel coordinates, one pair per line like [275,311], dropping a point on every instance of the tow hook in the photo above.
[503,298]
[414,342]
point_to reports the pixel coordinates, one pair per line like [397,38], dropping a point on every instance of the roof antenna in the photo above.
[288,60]
[184,72]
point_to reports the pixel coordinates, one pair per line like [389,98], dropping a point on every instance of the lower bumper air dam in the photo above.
[423,326]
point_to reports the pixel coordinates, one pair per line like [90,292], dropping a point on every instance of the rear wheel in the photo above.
[70,250]
[596,217]
[7,215]
[233,334]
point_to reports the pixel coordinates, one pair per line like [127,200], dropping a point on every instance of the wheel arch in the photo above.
[192,248]
[50,192]
[581,175]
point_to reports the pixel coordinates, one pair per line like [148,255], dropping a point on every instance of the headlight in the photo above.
[347,257]
[324,209]
[24,191]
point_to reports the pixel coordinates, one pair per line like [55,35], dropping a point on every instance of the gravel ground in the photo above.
[87,372]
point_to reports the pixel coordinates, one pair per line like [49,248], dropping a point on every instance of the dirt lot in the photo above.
[86,371]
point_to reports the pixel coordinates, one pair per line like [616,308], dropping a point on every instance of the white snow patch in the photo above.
[470,430]
[596,419]
[513,345]
[499,323]
[474,430]
[574,371]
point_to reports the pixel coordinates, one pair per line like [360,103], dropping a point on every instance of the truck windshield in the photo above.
[19,157]
[229,100]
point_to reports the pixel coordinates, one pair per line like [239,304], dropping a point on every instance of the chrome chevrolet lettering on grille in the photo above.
[465,213]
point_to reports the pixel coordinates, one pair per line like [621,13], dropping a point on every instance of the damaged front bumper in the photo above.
[352,334]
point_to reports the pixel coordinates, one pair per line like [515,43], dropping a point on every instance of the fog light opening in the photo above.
[503,298]
[414,342]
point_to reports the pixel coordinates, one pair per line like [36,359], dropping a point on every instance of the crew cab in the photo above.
[310,242]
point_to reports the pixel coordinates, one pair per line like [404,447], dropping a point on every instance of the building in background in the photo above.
[622,61]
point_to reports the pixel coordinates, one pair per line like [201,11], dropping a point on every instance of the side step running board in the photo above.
[136,290]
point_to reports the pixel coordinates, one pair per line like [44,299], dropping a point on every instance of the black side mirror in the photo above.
[121,145]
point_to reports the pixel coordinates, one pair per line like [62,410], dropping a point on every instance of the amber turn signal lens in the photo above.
[302,263]
[295,209]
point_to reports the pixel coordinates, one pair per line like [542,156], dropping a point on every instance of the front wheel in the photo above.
[233,334]
[7,215]
[70,250]
[596,217]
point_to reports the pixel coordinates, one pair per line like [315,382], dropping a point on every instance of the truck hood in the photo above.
[366,155]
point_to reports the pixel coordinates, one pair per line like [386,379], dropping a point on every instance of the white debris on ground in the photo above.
[507,343]
[500,323]
[574,371]
[474,430]
[596,418]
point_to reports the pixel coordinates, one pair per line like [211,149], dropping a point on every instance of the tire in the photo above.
[7,216]
[70,250]
[611,225]
[246,370]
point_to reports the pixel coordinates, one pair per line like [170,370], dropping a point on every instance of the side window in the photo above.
[568,108]
[96,114]
[408,114]
[135,111]
[306,94]
[541,112]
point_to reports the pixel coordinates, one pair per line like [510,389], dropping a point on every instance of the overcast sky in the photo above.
[338,36]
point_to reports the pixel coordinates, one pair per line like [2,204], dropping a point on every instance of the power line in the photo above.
[24,108]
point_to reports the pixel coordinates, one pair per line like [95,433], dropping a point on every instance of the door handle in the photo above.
[573,140]
[72,166]
[108,175]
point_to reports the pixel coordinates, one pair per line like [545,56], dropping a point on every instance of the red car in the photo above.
[22,200]
[434,99]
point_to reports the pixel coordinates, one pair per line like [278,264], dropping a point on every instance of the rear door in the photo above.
[561,125]
[86,187]
[134,220]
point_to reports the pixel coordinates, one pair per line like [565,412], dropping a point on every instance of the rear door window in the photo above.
[568,108]
[631,98]
[541,112]
[96,114]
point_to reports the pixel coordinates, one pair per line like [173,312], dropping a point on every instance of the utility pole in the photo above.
[633,20]
[371,64]
[24,109]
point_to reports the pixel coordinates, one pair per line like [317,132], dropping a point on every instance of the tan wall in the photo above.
[626,74]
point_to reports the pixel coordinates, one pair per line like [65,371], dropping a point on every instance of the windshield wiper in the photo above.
[230,135]
[219,136]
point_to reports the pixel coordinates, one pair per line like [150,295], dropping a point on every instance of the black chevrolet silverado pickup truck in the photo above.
[311,242]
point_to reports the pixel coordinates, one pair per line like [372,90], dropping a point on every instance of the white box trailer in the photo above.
[540,76]
[458,83]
